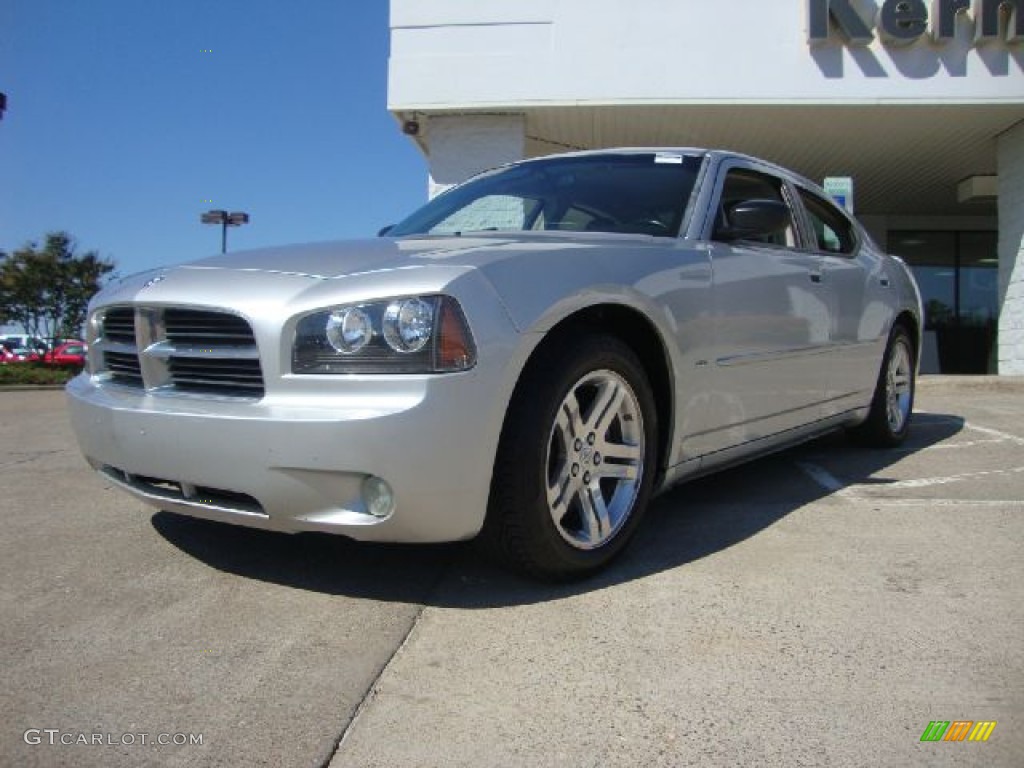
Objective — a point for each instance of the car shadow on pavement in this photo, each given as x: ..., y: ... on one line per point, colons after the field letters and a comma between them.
x: 313, y: 561
x: 693, y: 521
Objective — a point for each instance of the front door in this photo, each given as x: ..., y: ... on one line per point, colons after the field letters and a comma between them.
x: 771, y: 325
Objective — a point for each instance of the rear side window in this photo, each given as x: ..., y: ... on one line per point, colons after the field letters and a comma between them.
x: 833, y: 232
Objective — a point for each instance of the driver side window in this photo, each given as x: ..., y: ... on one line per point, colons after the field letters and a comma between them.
x: 741, y: 185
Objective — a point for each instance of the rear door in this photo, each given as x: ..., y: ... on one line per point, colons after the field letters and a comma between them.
x: 852, y: 281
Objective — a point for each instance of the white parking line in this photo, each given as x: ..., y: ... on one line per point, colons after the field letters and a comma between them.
x: 970, y: 425
x: 837, y: 487
x: 834, y: 485
x: 995, y: 433
x: 946, y: 446
x: 965, y: 444
x: 926, y: 502
x: 924, y: 482
x: 822, y: 477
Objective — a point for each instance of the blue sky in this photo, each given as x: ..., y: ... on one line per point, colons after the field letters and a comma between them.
x: 126, y: 119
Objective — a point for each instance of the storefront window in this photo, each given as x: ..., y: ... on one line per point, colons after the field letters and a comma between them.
x: 958, y: 274
x: 979, y: 279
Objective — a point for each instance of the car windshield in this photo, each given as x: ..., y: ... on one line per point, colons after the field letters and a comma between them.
x: 636, y: 193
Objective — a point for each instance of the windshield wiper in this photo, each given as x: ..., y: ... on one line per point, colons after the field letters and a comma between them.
x: 458, y: 233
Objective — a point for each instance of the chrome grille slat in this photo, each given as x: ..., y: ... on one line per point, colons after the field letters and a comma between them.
x: 216, y: 375
x: 244, y: 368
x: 124, y: 368
x: 186, y: 326
x: 166, y: 349
x: 119, y: 325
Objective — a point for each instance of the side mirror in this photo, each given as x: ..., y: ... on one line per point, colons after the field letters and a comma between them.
x: 751, y: 219
x: 384, y: 230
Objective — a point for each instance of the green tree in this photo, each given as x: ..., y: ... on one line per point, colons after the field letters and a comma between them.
x: 47, y: 290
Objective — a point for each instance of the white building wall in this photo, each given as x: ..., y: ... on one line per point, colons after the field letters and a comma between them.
x: 1011, y: 250
x: 460, y: 146
x: 460, y: 53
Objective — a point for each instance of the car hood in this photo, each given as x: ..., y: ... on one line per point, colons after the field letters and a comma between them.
x: 345, y: 258
x: 298, y: 277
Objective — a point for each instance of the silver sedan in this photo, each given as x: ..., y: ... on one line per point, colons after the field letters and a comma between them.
x: 527, y: 358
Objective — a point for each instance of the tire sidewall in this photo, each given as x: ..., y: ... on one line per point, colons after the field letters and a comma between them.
x: 557, y: 372
x: 876, y: 430
x: 900, y: 336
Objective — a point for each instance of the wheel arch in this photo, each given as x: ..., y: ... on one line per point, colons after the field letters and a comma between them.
x: 637, y: 331
x: 910, y: 323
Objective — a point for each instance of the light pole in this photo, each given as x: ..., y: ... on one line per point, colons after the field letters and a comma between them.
x: 225, y: 219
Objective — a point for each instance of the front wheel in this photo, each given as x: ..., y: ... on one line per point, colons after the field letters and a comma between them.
x: 888, y: 422
x: 577, y: 460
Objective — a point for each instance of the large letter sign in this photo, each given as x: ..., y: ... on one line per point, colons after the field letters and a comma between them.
x: 901, y: 22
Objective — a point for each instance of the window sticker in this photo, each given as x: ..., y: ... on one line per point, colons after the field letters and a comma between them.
x: 669, y: 158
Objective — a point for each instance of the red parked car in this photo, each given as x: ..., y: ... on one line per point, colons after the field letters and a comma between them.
x: 11, y: 352
x: 70, y: 354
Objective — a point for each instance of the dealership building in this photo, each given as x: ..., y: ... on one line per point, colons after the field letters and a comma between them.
x: 919, y: 105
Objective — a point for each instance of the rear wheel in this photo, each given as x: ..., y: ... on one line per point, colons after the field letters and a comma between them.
x: 577, y: 459
x: 888, y: 422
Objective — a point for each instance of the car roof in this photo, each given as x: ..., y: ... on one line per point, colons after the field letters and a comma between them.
x: 716, y: 155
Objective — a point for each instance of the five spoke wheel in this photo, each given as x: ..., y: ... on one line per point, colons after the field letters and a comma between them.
x: 595, y: 458
x: 898, y: 384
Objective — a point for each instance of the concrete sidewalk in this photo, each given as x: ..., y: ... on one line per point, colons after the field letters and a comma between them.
x: 819, y: 607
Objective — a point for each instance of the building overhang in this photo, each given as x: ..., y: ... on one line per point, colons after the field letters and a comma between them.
x: 906, y: 159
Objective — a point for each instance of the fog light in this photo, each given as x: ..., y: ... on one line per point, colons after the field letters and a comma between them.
x: 380, y: 501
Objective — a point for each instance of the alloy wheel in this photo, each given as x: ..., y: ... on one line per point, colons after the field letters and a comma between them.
x: 595, y: 459
x: 898, y: 386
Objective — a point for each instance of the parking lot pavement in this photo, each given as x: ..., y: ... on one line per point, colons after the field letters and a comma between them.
x: 818, y: 607
x: 124, y: 626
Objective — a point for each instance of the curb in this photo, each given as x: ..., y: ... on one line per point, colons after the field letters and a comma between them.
x: 938, y: 384
x: 30, y: 387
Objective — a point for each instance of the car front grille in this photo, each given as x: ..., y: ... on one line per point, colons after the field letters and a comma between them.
x: 173, y: 349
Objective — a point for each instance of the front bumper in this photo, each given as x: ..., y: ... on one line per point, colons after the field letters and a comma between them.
x: 291, y: 462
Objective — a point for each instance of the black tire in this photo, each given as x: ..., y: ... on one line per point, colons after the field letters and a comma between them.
x: 892, y: 406
x: 551, y: 480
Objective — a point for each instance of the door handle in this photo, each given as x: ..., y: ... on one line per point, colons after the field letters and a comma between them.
x: 815, y: 277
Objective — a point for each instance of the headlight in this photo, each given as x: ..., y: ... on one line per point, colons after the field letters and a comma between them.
x: 414, y: 334
x: 349, y: 330
x: 408, y: 324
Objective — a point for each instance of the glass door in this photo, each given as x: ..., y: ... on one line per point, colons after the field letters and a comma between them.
x: 958, y: 273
